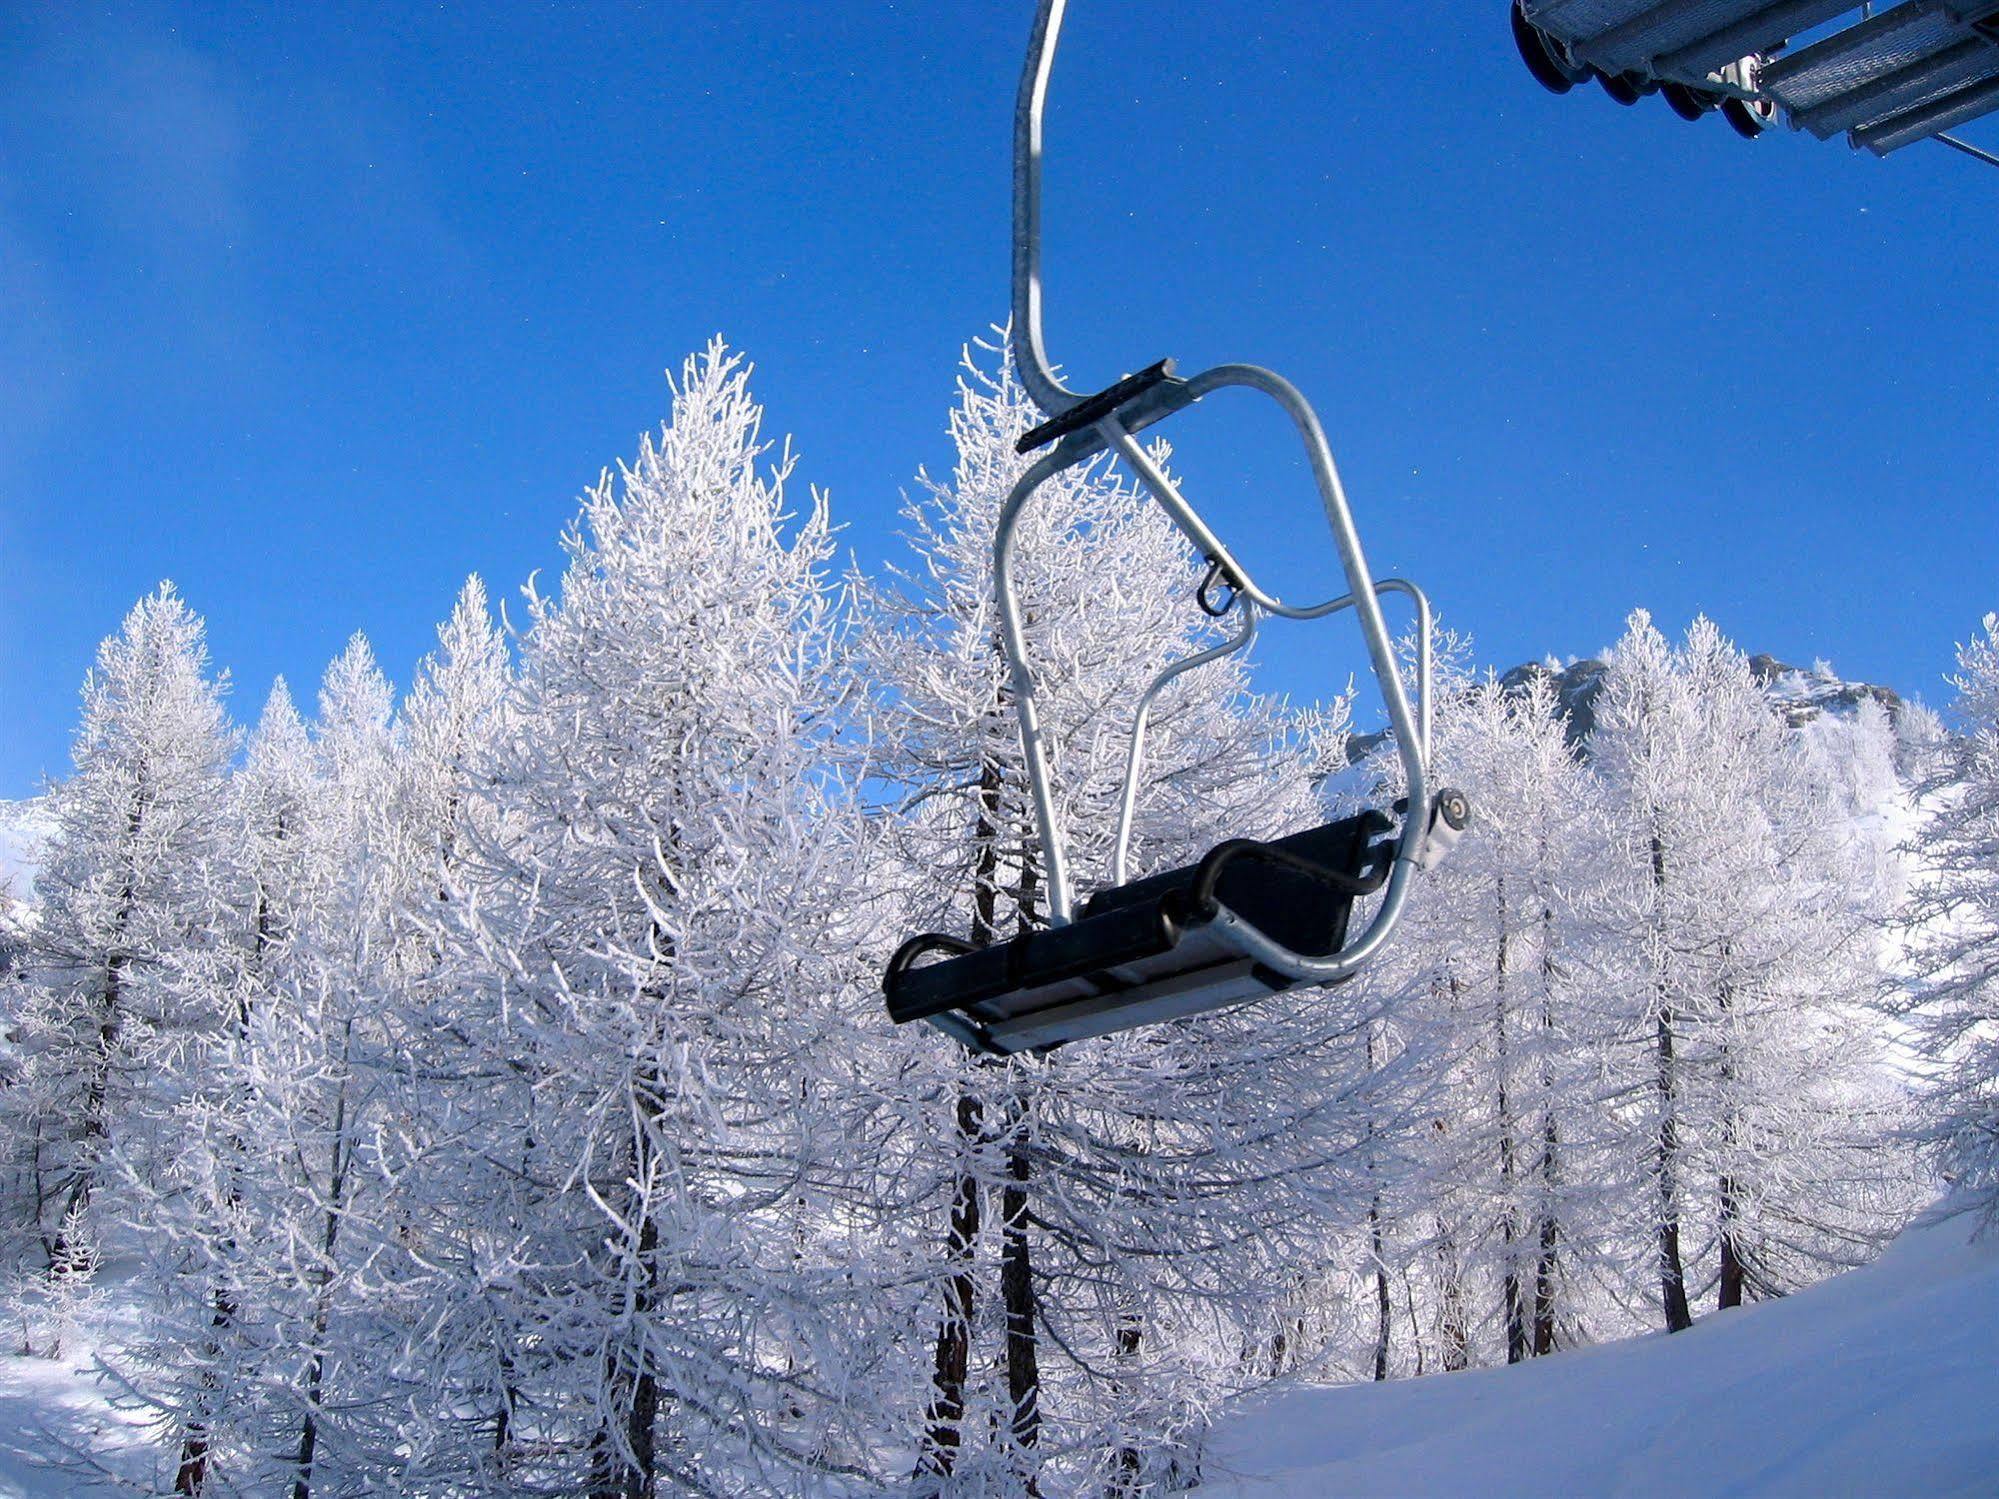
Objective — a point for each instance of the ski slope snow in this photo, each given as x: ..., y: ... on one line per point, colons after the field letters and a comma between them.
x: 1883, y: 1381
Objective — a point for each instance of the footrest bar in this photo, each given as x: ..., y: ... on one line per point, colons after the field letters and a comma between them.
x: 1093, y: 409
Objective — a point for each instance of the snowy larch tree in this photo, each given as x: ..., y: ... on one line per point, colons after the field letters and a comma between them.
x: 1954, y: 911
x: 200, y: 1355
x: 127, y: 907
x: 1727, y: 921
x: 1484, y: 965
x: 666, y: 898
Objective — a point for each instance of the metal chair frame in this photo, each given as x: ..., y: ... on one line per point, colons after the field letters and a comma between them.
x: 1083, y: 426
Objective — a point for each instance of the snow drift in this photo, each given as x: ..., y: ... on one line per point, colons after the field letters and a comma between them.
x: 1880, y: 1381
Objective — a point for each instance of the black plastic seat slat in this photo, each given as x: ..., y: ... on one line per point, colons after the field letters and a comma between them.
x: 1138, y: 953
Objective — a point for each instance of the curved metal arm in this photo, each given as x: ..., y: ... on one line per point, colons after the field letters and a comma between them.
x: 1135, y: 752
x: 1410, y: 743
x: 1055, y: 861
x: 1412, y: 734
x: 1030, y: 354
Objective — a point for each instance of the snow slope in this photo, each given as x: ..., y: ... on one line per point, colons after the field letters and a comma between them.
x: 1882, y: 1381
x: 59, y: 1431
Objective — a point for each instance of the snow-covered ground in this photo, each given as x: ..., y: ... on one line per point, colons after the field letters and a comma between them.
x: 1881, y: 1382
x: 1884, y: 1382
x: 59, y: 1434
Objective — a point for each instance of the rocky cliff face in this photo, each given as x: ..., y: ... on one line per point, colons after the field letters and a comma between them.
x: 1801, y: 693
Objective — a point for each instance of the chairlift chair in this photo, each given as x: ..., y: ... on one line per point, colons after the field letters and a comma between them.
x: 1251, y: 918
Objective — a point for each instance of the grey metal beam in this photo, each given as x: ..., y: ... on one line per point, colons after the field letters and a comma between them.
x: 1976, y: 153
x: 1768, y: 28
x: 1963, y: 62
x: 1927, y: 120
x: 1917, y: 25
x: 1667, y: 27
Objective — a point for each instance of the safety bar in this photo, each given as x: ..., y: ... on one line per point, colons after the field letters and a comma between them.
x: 1134, y: 754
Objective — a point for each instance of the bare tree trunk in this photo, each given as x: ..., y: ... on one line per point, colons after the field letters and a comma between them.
x: 322, y: 1303
x: 642, y: 1425
x: 1734, y: 1272
x: 1453, y: 1325
x: 625, y: 1466
x: 1019, y: 1295
x: 1548, y: 1228
x: 95, y: 1133
x: 1672, y: 1270
x: 1415, y: 1326
x: 1384, y: 1307
x: 1734, y: 1261
x: 1126, y: 1479
x: 192, y: 1472
x: 1514, y: 1309
x: 943, y: 1420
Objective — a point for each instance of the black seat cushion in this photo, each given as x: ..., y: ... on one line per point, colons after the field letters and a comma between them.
x: 1135, y: 937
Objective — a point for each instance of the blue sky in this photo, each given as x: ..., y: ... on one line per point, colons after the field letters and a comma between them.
x: 317, y: 309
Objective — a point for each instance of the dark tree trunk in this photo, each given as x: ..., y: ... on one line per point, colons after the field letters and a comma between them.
x: 94, y: 1135
x: 192, y: 1472
x: 1018, y: 1294
x: 1548, y: 1229
x: 1415, y: 1325
x: 322, y: 1303
x: 627, y: 1468
x: 943, y: 1420
x: 1672, y: 1269
x: 1453, y: 1330
x: 1546, y: 1268
x: 1513, y: 1299
x: 1023, y: 1374
x: 1734, y: 1272
x: 1127, y: 1477
x: 1734, y: 1261
x: 1384, y: 1307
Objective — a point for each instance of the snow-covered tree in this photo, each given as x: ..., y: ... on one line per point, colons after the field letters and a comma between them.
x: 205, y: 1344
x: 1955, y: 913
x: 1485, y: 963
x: 666, y: 913
x: 315, y: 1099
x: 127, y: 910
x: 1728, y: 930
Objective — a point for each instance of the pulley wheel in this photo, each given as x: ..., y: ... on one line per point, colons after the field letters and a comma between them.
x: 1539, y: 55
